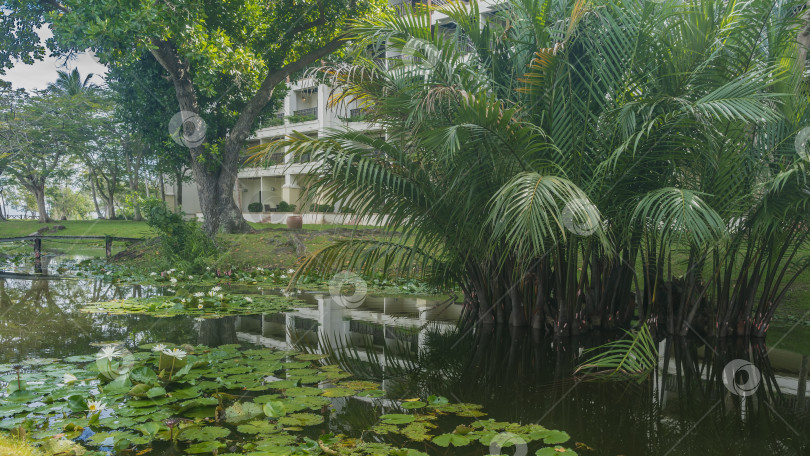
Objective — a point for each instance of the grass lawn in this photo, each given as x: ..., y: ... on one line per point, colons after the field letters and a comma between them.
x: 121, y: 228
x: 272, y: 246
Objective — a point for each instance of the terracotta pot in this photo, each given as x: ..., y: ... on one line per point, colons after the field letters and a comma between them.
x: 295, y: 222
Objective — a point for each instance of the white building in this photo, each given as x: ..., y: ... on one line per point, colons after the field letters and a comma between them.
x: 306, y: 110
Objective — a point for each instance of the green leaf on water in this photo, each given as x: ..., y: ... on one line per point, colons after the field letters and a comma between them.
x: 204, y: 434
x: 397, y: 418
x: 446, y: 440
x: 412, y: 405
x: 274, y: 409
x: 555, y: 451
x: 242, y: 411
x: 301, y: 419
x: 204, y: 447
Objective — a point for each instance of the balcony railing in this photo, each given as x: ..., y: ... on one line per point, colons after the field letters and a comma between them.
x: 303, y: 115
x: 306, y: 112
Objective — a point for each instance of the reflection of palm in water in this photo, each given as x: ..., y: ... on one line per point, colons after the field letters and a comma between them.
x: 520, y: 375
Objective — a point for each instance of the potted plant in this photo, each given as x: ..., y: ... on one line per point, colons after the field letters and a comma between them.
x: 295, y: 221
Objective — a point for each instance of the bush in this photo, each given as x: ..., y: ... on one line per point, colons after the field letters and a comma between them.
x: 255, y: 207
x: 184, y: 243
x: 285, y: 207
x: 322, y: 208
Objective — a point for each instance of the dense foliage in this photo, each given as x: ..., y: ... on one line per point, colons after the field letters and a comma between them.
x: 580, y: 165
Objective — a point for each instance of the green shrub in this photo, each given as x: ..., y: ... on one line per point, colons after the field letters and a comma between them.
x: 255, y: 207
x: 322, y: 208
x: 304, y: 118
x: 273, y: 122
x: 184, y: 243
x: 285, y: 207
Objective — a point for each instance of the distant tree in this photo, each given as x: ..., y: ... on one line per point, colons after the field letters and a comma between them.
x: 69, y: 203
x: 228, y: 63
x: 42, y: 134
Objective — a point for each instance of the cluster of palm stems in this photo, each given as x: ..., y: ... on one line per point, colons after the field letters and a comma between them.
x: 574, y: 164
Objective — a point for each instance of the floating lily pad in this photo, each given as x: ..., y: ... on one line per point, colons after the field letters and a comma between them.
x: 301, y: 419
x: 397, y: 418
x: 204, y: 434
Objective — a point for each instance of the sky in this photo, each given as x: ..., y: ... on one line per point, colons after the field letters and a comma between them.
x: 38, y: 75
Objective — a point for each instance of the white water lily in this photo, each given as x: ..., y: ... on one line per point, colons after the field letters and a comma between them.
x: 290, y: 271
x: 190, y: 277
x: 95, y: 406
x: 200, y: 306
x: 109, y: 352
x: 217, y: 288
x: 173, y: 280
x: 220, y: 296
x: 69, y: 378
x: 175, y: 353
x: 199, y: 294
x: 248, y: 299
x: 153, y: 273
x: 158, y: 347
x: 212, y: 293
x: 171, y: 271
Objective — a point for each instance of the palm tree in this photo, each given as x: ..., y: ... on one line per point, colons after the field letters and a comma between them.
x: 579, y: 165
x: 71, y: 83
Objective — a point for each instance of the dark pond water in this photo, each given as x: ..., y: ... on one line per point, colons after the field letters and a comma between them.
x: 414, y: 349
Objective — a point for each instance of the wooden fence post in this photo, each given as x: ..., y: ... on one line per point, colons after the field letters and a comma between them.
x: 108, y: 245
x: 37, y: 256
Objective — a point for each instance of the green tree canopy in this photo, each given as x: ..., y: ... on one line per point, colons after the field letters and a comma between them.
x: 228, y: 62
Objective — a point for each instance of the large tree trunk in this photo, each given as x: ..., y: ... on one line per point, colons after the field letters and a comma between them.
x: 178, y: 194
x: 110, y: 205
x: 39, y: 193
x: 95, y: 198
x: 133, y: 171
x: 220, y: 212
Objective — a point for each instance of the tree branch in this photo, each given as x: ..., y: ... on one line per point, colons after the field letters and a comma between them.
x: 241, y: 129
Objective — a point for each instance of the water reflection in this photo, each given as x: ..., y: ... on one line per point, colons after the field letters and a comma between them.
x: 413, y: 347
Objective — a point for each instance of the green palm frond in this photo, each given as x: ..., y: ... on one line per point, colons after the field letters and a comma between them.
x: 634, y: 356
x: 673, y: 212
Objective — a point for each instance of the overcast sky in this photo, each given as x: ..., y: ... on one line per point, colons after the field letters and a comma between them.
x: 38, y: 75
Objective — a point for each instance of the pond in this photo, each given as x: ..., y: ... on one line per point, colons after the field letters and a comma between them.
x: 406, y: 356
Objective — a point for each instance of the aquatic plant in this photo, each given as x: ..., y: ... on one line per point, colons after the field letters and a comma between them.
x: 233, y: 401
x: 645, y: 161
x: 633, y: 356
x: 214, y: 302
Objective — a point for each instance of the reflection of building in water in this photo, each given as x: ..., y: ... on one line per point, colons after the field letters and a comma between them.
x: 783, y: 382
x: 391, y: 324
